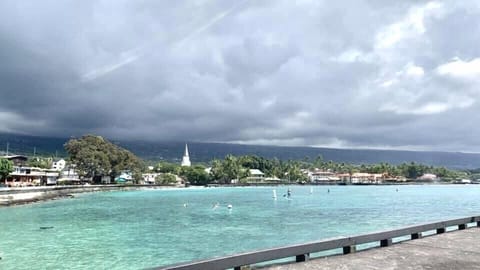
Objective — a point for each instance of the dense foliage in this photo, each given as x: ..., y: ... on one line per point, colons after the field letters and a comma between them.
x: 40, y: 162
x: 6, y: 167
x: 165, y: 179
x: 95, y: 156
x: 237, y: 168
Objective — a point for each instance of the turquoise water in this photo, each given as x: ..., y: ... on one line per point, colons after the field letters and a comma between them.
x: 138, y: 229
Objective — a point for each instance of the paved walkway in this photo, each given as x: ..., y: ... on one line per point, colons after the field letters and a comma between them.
x: 452, y: 250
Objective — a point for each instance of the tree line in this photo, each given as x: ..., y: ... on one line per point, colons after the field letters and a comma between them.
x: 237, y: 167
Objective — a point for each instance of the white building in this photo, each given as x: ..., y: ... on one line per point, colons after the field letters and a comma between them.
x: 58, y: 165
x: 26, y: 176
x: 69, y: 175
x: 320, y: 176
x: 186, y: 159
x: 124, y: 177
x: 367, y: 178
x: 149, y: 178
x: 106, y: 179
x: 255, y: 175
x: 428, y: 177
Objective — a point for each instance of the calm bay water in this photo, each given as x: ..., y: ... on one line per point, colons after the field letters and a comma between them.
x: 138, y: 229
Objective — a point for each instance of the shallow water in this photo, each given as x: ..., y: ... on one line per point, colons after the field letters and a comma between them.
x: 138, y: 229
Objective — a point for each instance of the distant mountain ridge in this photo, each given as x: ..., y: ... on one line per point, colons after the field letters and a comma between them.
x: 205, y: 152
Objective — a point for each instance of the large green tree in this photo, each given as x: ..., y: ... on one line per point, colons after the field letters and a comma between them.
x: 293, y: 172
x: 167, y: 167
x: 218, y: 172
x: 165, y: 179
x: 196, y: 175
x: 231, y: 167
x: 95, y: 156
x: 6, y: 167
x: 39, y: 162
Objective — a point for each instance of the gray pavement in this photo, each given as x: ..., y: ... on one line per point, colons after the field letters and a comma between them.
x: 452, y: 250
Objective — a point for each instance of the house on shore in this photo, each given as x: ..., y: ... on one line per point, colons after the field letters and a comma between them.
x: 322, y: 177
x: 18, y: 160
x: 124, y: 178
x: 367, y: 178
x: 24, y: 175
x: 255, y: 175
x: 59, y: 164
x: 32, y: 176
x: 69, y: 176
x: 428, y: 177
x: 149, y: 178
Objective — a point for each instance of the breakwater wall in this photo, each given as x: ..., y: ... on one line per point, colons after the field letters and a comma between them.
x: 15, y: 196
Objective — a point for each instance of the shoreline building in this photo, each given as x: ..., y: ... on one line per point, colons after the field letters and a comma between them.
x: 186, y: 159
x: 24, y: 175
x: 59, y: 164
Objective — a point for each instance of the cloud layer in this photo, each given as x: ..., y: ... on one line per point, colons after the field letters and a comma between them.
x: 376, y: 74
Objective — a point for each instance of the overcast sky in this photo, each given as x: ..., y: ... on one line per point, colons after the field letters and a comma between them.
x: 362, y: 74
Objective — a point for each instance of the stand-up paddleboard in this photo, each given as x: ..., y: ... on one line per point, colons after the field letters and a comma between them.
x: 288, y: 195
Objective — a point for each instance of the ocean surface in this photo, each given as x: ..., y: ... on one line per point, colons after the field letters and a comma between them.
x: 140, y: 229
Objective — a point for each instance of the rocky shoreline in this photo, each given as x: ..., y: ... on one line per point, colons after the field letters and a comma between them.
x: 17, y: 196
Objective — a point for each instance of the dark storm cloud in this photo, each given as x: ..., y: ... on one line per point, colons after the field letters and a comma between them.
x: 384, y: 74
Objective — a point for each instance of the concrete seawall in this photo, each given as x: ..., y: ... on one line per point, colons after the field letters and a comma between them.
x: 15, y: 196
x: 453, y: 250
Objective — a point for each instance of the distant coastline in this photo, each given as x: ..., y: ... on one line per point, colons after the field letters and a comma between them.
x: 204, y: 152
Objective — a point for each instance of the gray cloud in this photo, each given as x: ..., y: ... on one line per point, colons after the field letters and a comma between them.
x: 366, y: 73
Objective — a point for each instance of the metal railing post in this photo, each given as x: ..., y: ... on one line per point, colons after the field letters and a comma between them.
x: 302, y: 257
x: 349, y: 249
x: 414, y: 236
x: 386, y: 242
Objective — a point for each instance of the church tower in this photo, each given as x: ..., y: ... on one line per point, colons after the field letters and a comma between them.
x: 186, y: 158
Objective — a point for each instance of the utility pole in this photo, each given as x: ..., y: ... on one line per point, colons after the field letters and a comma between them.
x: 34, y: 151
x: 8, y: 144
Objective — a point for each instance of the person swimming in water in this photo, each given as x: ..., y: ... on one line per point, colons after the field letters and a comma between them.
x: 289, y: 193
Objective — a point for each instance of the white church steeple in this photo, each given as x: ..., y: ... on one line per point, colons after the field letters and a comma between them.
x: 186, y: 159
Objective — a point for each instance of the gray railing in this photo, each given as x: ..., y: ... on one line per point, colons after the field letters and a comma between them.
x: 302, y: 252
